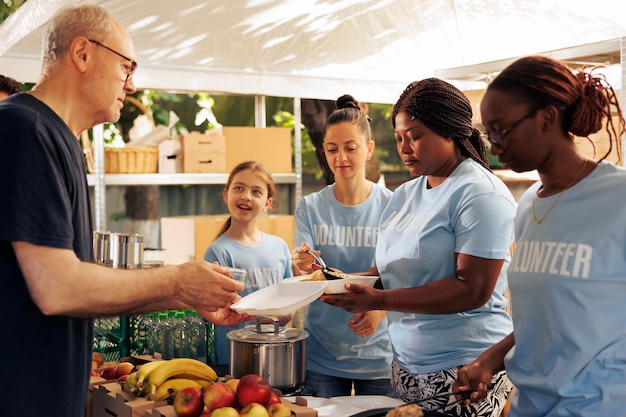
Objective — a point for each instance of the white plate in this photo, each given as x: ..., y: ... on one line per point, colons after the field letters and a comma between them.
x: 327, y: 407
x: 335, y: 286
x: 369, y: 402
x: 336, y: 410
x: 349, y: 405
x: 280, y: 299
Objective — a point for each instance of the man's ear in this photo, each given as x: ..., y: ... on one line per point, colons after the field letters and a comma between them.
x: 80, y: 53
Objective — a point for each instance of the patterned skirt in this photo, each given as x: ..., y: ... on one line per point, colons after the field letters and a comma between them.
x: 417, y: 388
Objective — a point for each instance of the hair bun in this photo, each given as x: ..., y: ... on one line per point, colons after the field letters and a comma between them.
x: 347, y: 101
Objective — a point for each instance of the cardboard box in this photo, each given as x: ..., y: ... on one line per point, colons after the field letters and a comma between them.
x: 164, y: 411
x: 204, y: 152
x: 171, y: 156
x: 298, y: 409
x: 94, y: 381
x: 186, y: 238
x: 270, y: 145
x: 110, y: 400
x: 204, y: 163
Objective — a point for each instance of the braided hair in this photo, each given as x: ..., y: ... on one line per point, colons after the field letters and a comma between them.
x: 583, y: 97
x: 445, y: 110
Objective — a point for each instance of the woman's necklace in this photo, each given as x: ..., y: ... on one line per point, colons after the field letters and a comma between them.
x: 558, y: 197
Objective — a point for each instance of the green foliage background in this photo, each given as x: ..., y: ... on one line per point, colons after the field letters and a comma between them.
x: 7, y: 7
x: 240, y: 111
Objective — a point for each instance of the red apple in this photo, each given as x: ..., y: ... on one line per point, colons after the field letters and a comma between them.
x: 274, y: 399
x: 123, y: 368
x: 252, y: 388
x: 278, y: 410
x: 122, y: 378
x: 254, y: 410
x: 109, y: 372
x: 95, y: 373
x: 188, y: 402
x: 218, y: 395
x: 225, y: 412
x: 232, y: 383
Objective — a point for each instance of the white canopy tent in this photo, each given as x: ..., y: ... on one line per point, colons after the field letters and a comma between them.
x: 320, y: 48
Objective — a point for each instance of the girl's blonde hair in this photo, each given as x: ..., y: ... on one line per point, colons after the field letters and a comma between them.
x: 257, y: 168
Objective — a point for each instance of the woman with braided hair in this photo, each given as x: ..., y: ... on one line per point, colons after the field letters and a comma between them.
x: 568, y: 276
x: 443, y: 247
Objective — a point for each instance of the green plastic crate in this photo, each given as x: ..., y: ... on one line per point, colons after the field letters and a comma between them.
x: 119, y: 337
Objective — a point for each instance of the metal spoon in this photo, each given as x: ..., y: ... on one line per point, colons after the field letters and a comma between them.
x: 326, y: 270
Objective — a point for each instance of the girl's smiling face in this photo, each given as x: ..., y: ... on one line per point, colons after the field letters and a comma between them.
x: 247, y: 195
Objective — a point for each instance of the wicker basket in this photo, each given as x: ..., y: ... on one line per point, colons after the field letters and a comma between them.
x: 131, y: 159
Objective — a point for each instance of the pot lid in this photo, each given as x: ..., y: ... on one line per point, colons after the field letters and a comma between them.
x: 267, y: 333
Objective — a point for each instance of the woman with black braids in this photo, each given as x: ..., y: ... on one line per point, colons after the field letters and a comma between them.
x: 443, y: 247
x: 568, y: 275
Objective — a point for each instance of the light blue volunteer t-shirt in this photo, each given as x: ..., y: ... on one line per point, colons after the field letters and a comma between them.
x: 422, y: 228
x: 346, y: 236
x: 568, y: 290
x: 265, y: 264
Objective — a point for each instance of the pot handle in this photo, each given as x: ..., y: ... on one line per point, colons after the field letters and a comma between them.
x: 274, y: 320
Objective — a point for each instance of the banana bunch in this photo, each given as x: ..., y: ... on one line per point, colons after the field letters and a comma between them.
x: 159, y: 379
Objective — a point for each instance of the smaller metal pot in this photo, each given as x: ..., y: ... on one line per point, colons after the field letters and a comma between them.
x: 273, y: 352
x: 118, y: 250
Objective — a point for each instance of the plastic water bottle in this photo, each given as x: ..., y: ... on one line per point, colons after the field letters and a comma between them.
x: 162, y: 337
x: 144, y: 334
x: 180, y: 335
x: 197, y: 336
x: 152, y: 345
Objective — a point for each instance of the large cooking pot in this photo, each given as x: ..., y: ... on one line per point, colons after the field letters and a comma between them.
x: 276, y: 353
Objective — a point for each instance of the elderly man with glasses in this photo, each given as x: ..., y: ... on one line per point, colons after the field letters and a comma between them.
x: 51, y: 289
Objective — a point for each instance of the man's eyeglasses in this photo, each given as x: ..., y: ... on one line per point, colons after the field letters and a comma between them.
x: 133, y: 63
x: 498, y: 138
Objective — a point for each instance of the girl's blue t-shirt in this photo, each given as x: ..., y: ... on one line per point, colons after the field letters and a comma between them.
x: 266, y: 264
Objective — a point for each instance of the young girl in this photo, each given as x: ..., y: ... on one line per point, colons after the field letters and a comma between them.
x: 248, y: 193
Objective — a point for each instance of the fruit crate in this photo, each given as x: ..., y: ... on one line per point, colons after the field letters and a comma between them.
x: 109, y: 400
x: 120, y: 337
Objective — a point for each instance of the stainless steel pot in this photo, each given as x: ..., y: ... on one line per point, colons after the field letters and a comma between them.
x: 118, y: 250
x: 276, y: 353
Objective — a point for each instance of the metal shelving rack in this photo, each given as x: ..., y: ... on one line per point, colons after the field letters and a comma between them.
x: 99, y: 180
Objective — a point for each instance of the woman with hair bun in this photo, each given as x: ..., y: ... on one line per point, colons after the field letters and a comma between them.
x: 443, y: 247
x: 567, y: 356
x: 344, y: 351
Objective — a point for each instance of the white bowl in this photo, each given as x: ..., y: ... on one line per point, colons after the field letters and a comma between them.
x: 335, y: 286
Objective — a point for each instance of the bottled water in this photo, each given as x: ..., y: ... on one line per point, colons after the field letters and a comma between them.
x: 180, y: 335
x: 144, y: 333
x: 162, y: 337
x: 152, y: 344
x: 197, y: 336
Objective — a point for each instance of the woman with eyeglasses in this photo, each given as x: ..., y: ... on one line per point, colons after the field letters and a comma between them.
x: 567, y: 356
x: 442, y: 251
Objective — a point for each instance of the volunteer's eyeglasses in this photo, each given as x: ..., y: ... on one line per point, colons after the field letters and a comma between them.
x: 498, y: 138
x: 133, y: 63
